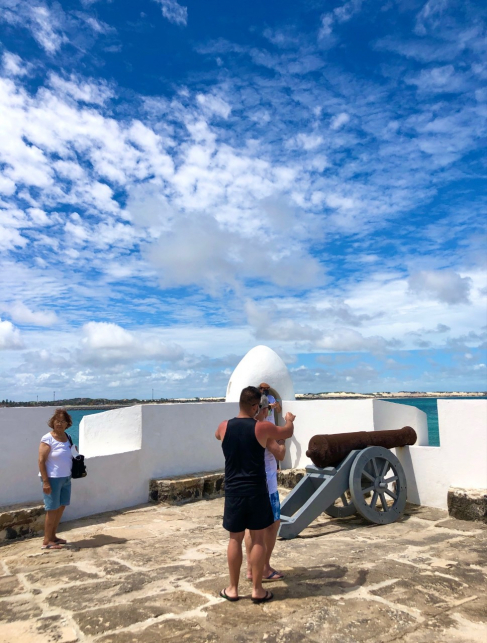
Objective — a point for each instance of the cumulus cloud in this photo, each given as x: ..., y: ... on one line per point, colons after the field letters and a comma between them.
x: 445, y: 286
x: 10, y: 338
x: 21, y: 314
x: 198, y: 250
x: 105, y: 342
x: 174, y: 12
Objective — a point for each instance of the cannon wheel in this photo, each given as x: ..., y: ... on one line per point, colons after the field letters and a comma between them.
x: 343, y: 507
x: 378, y: 485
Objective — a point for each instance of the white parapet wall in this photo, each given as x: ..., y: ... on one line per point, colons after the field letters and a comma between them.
x: 342, y: 416
x: 459, y: 461
x: 21, y: 430
x: 127, y: 447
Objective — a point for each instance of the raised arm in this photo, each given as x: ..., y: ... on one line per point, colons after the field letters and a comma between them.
x: 277, y: 448
x: 266, y: 430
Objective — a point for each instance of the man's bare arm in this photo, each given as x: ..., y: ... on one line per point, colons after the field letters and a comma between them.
x: 277, y: 450
x: 270, y: 430
x: 219, y: 432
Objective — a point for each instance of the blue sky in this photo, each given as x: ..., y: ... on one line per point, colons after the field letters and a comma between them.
x: 180, y: 182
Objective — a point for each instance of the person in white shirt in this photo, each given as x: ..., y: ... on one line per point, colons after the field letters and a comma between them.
x: 274, y: 406
x: 55, y: 461
x: 275, y: 450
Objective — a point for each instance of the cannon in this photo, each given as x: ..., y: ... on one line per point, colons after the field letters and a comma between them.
x: 366, y: 478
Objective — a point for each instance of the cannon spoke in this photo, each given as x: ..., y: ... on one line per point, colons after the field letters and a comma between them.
x: 376, y: 469
x: 345, y: 500
x: 374, y: 500
x: 390, y: 493
x: 368, y: 489
x: 367, y: 475
x: 389, y: 480
x: 385, y: 468
x: 384, y: 502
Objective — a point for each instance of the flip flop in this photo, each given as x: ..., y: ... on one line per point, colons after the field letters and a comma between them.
x: 60, y: 541
x: 232, y: 599
x: 265, y: 599
x: 54, y: 546
x: 274, y: 575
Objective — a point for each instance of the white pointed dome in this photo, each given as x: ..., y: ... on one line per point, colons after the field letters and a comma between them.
x: 261, y: 364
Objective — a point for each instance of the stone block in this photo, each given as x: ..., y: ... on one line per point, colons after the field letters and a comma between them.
x: 468, y: 504
x: 19, y: 520
x: 187, y: 488
x: 289, y: 478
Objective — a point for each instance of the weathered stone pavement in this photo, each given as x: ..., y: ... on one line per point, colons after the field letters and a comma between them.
x: 153, y: 574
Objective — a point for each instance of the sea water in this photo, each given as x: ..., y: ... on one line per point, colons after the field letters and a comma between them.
x: 426, y: 404
x: 76, y: 417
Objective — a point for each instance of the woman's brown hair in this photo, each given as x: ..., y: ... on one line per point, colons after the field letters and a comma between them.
x: 66, y: 417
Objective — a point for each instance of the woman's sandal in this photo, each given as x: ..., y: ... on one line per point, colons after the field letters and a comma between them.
x: 265, y: 599
x: 274, y: 575
x: 52, y: 546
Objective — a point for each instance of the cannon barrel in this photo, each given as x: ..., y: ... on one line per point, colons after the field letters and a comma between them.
x: 328, y: 450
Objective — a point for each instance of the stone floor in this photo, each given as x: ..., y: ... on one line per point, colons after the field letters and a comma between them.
x: 153, y: 574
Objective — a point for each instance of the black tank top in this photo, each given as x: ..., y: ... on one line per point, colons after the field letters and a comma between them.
x: 244, y: 459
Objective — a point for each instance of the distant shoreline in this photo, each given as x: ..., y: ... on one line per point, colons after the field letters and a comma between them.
x: 385, y: 396
x: 403, y: 395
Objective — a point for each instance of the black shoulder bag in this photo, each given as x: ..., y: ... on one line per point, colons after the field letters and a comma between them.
x: 78, y: 468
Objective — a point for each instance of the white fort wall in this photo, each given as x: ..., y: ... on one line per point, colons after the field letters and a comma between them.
x: 21, y: 430
x: 342, y: 416
x: 460, y: 461
x: 127, y: 447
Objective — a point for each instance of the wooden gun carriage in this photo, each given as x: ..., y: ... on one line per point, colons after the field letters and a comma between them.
x: 351, y: 473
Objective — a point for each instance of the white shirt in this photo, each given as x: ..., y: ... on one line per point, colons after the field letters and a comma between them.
x: 271, y: 417
x: 59, y: 460
x: 270, y: 471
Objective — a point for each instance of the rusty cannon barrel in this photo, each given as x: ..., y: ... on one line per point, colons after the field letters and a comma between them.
x: 328, y: 450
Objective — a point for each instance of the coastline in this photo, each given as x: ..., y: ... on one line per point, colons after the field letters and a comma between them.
x: 386, y: 395
x: 340, y: 395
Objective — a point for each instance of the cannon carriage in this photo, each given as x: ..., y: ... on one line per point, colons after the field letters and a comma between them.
x: 351, y: 473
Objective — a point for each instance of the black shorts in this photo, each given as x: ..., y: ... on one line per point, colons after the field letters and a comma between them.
x: 247, y: 512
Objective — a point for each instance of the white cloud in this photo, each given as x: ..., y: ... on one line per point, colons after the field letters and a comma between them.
x: 21, y: 314
x: 430, y: 15
x: 445, y: 286
x: 45, y: 23
x: 444, y: 79
x: 105, y: 342
x: 198, y: 250
x: 95, y: 92
x: 13, y: 65
x: 10, y: 338
x: 340, y: 14
x: 174, y: 12
x: 339, y: 120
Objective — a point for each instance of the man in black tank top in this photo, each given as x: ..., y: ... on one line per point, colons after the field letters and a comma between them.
x: 247, y: 504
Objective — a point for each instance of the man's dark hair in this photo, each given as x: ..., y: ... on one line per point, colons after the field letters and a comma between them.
x: 249, y: 396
